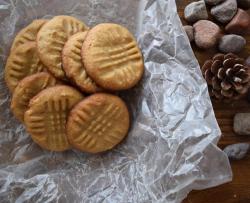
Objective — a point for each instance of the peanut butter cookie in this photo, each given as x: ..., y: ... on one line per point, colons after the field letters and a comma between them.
x: 98, y: 123
x: 111, y: 57
x: 46, y: 116
x: 22, y: 61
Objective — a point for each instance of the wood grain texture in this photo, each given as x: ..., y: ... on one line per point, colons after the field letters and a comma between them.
x: 237, y: 191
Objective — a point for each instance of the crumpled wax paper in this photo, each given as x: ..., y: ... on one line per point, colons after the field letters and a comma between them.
x: 171, y: 147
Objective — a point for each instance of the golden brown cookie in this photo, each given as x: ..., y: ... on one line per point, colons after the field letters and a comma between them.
x: 29, y: 33
x: 47, y: 114
x: 26, y: 89
x: 51, y: 39
x: 111, y: 57
x: 98, y: 123
x: 73, y: 66
x: 22, y: 61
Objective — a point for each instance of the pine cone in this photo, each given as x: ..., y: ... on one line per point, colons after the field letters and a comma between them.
x: 227, y: 76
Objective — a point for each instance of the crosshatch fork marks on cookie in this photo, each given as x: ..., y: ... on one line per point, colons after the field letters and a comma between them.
x: 23, y: 61
x: 57, y: 115
x: 52, y: 121
x: 99, y: 125
x: 112, y: 57
x: 47, y: 116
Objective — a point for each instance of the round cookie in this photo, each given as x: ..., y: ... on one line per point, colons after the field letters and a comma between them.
x: 22, y: 61
x: 46, y: 117
x: 98, y: 123
x: 26, y: 89
x: 111, y: 57
x: 73, y: 66
x: 29, y: 33
x: 51, y: 39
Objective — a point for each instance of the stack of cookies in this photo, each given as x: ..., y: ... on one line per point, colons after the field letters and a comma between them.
x: 59, y: 72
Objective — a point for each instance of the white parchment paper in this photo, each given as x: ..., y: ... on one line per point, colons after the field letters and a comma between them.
x: 171, y: 148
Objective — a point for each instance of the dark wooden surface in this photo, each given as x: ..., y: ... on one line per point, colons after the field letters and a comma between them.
x: 237, y: 191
